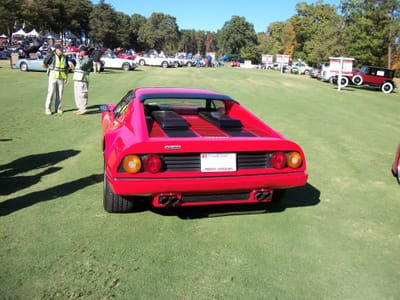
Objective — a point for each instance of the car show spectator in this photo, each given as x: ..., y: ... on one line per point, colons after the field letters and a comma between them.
x: 96, y: 60
x: 81, y: 82
x: 57, y: 72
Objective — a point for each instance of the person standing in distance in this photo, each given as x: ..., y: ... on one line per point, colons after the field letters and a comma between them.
x: 96, y: 60
x: 81, y: 80
x: 57, y: 72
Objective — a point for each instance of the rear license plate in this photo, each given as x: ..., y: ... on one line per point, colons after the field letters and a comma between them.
x: 218, y: 162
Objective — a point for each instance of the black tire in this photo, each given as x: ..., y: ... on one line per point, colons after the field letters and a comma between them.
x: 387, y: 87
x: 142, y: 62
x: 23, y: 67
x: 344, y: 81
x: 357, y: 80
x: 126, y: 66
x: 113, y: 203
x: 398, y: 172
x: 164, y: 64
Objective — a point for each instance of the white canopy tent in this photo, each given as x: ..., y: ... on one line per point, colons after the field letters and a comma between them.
x: 33, y: 33
x: 19, y: 33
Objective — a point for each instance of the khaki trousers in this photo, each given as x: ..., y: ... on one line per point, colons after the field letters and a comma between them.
x: 81, y: 95
x: 55, y: 86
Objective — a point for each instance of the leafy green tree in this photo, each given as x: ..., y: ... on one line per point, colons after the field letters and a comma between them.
x: 274, y: 42
x: 40, y: 15
x: 57, y: 16
x: 187, y: 41
x: 200, y: 37
x: 392, y: 8
x: 318, y: 32
x: 236, y: 35
x: 136, y: 22
x: 77, y: 13
x: 160, y: 32
x: 371, y: 28
x: 123, y: 31
x: 280, y: 38
x: 9, y: 13
x: 103, y: 25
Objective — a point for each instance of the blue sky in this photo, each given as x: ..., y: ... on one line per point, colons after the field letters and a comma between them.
x: 211, y: 15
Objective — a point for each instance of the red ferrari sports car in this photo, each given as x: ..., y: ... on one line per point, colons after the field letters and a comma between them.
x: 186, y: 147
x: 396, y: 165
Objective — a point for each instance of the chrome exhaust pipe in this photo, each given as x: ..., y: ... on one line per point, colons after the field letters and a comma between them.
x: 262, y: 195
x: 168, y: 199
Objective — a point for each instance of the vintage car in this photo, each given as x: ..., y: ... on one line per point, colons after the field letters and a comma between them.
x: 188, y: 147
x: 157, y: 61
x: 375, y: 77
x: 30, y: 64
x: 111, y: 61
x: 301, y: 68
x: 396, y: 164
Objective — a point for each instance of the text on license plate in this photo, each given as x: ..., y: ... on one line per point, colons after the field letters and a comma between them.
x: 218, y: 162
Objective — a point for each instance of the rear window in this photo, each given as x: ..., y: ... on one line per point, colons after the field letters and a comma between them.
x: 184, y: 106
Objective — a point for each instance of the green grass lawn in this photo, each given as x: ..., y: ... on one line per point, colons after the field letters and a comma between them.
x: 336, y: 238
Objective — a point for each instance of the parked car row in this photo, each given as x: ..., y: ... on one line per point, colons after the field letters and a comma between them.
x: 35, y: 64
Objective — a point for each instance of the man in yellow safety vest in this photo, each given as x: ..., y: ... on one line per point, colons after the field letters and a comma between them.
x: 57, y: 72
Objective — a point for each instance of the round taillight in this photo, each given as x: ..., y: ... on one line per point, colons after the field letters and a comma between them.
x: 132, y: 164
x: 152, y: 163
x: 278, y: 160
x: 294, y: 160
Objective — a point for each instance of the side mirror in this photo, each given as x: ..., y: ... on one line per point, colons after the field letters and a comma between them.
x: 104, y: 108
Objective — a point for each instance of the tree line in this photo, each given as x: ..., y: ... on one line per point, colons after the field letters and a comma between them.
x: 368, y: 30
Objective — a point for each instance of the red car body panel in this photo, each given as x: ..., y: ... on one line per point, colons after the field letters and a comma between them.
x: 396, y: 164
x: 136, y: 132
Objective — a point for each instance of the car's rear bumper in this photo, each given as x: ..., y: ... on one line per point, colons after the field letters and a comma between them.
x: 208, y: 190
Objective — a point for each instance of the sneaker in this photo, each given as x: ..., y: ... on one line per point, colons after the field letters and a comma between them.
x: 47, y: 112
x: 59, y: 111
x: 79, y: 113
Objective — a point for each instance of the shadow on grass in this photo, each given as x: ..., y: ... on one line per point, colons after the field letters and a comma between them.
x: 12, y: 205
x: 303, y: 196
x: 91, y: 110
x: 10, y: 183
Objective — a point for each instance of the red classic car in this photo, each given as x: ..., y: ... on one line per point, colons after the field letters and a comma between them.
x: 375, y: 77
x: 187, y: 147
x: 396, y: 165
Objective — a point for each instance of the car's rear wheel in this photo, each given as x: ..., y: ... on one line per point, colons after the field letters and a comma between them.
x: 387, y: 87
x: 357, y: 80
x: 126, y: 67
x: 344, y: 81
x: 114, y: 203
x: 164, y: 64
x: 142, y: 62
x: 398, y: 171
x: 23, y: 67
